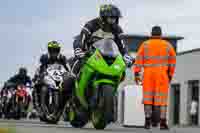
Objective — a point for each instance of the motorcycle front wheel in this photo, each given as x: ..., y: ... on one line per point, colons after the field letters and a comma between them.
x: 103, y: 114
x: 78, y: 117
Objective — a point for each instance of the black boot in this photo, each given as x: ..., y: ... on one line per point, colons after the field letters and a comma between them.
x: 147, y: 123
x: 154, y: 124
x: 155, y: 116
x: 163, y: 124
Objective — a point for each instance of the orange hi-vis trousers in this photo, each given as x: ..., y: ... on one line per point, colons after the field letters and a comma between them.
x: 155, y: 87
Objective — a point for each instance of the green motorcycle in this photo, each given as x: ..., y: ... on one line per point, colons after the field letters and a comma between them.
x: 95, y: 90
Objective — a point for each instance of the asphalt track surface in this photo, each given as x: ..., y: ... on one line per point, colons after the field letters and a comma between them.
x: 35, y: 126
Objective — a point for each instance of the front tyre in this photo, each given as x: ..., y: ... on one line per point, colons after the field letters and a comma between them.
x: 103, y: 114
x: 77, y: 117
x: 79, y: 120
x: 18, y: 111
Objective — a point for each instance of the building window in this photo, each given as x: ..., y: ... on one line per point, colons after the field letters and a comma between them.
x: 175, y: 103
x: 193, y: 96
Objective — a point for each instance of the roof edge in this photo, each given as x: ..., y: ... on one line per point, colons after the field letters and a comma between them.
x: 146, y: 36
x: 188, y: 51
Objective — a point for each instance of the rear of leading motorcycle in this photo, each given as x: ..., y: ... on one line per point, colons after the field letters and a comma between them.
x: 20, y: 102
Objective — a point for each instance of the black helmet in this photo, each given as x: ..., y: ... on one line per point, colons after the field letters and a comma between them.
x: 22, y: 71
x: 156, y: 31
x: 109, y: 10
x: 54, y: 49
x: 110, y: 14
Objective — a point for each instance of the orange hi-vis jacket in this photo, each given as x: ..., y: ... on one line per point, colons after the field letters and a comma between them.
x: 158, y: 59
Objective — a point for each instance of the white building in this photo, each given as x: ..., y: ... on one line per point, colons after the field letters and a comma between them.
x: 184, y: 87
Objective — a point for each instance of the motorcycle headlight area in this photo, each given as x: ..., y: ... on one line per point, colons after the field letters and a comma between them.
x: 109, y: 59
x: 50, y: 82
x: 56, y: 74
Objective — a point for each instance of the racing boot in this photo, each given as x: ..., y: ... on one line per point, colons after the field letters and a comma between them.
x: 147, y: 124
x: 154, y: 124
x: 154, y: 120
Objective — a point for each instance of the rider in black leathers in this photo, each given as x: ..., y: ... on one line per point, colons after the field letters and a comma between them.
x: 53, y: 56
x: 105, y: 26
x: 20, y: 78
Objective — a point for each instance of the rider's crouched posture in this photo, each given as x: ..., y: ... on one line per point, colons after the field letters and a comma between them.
x: 52, y: 57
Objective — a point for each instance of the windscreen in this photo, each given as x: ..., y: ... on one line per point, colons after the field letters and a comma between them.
x: 107, y: 47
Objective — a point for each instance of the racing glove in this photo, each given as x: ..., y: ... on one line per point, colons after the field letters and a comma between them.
x: 128, y: 60
x: 79, y: 53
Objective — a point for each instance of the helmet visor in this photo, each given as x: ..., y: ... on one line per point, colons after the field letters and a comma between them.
x: 22, y: 72
x: 53, y: 52
x: 111, y: 20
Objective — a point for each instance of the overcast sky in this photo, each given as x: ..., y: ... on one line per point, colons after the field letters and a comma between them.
x: 27, y: 25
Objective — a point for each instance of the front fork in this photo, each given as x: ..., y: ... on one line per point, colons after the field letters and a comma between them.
x: 16, y: 99
x: 93, y: 101
x: 23, y: 100
x: 43, y: 96
x: 53, y: 99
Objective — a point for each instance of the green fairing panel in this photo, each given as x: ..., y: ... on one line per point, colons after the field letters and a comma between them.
x: 97, y: 62
x: 86, y: 73
x: 106, y: 81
